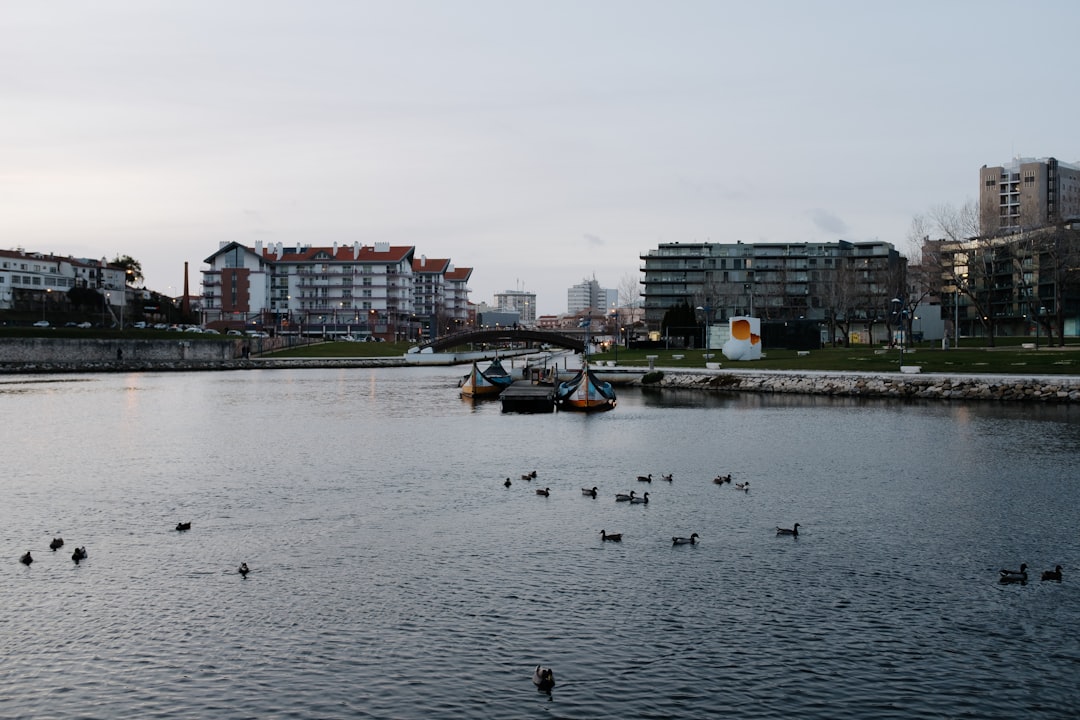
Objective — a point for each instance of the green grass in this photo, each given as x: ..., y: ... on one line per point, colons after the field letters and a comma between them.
x: 343, y: 350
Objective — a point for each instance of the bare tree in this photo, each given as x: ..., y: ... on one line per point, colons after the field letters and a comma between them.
x: 1058, y: 254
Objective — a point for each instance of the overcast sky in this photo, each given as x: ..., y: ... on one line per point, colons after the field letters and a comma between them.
x: 540, y: 143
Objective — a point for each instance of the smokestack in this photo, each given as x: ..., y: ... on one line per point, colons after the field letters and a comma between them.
x: 185, y: 303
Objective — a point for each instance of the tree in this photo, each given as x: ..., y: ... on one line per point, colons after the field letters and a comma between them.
x: 132, y: 268
x: 680, y: 320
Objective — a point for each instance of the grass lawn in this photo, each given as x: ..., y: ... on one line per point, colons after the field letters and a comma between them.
x: 1003, y: 360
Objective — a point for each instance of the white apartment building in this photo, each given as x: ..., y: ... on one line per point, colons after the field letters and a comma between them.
x: 29, y: 279
x: 520, y: 301
x: 588, y: 295
x: 378, y: 289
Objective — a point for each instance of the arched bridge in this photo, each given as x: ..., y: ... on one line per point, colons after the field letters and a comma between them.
x: 501, y: 334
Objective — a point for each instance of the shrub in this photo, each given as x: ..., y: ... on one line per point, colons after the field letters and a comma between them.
x: 651, y: 378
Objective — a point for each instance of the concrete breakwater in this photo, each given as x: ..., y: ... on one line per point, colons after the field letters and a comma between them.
x: 1004, y: 388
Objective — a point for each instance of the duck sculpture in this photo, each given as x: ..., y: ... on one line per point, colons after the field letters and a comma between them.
x: 613, y: 537
x: 643, y: 500
x: 1015, y: 576
x: 692, y: 540
x: 543, y: 678
x: 794, y: 530
x: 56, y: 543
x: 1054, y: 574
x: 590, y: 492
x: 623, y: 497
x: 243, y: 570
x: 26, y: 559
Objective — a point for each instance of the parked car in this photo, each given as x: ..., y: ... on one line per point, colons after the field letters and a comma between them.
x: 41, y: 323
x: 233, y: 332
x: 139, y: 325
x: 84, y: 325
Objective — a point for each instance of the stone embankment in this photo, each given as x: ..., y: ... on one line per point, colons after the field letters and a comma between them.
x: 1006, y: 388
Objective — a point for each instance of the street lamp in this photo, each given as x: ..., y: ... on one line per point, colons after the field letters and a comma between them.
x: 749, y: 288
x: 45, y: 301
x: 108, y: 302
x: 899, y: 313
x: 707, y: 309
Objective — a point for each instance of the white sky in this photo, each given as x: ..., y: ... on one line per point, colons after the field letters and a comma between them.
x: 540, y: 143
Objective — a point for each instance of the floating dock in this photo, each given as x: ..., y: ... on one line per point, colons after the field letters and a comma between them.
x: 524, y: 396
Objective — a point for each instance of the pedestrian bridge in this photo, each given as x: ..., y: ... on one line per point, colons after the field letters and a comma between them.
x: 505, y: 335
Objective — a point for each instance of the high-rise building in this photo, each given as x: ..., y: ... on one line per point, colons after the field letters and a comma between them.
x: 779, y: 281
x: 520, y: 301
x: 588, y: 295
x: 1027, y: 194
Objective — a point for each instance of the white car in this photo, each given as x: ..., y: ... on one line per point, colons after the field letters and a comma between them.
x: 41, y: 323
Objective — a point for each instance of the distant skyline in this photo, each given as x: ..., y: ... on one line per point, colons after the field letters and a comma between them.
x: 538, y: 143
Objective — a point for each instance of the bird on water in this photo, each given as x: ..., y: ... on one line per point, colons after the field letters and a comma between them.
x: 543, y: 678
x: 613, y: 537
x: 1014, y: 576
x: 692, y: 540
x: 788, y: 531
x: 1054, y: 574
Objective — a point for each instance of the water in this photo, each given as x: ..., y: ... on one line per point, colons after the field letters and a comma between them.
x: 393, y: 576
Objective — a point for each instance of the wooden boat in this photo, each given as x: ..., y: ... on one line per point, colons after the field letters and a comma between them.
x: 486, y: 383
x: 584, y: 393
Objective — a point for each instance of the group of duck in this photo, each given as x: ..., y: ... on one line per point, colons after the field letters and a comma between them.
x: 1021, y: 576
x: 243, y: 569
x: 81, y: 554
x: 634, y: 499
x: 57, y: 542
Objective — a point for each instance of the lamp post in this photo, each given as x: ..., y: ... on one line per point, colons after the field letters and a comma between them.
x: 45, y: 301
x: 749, y: 288
x: 707, y: 309
x: 899, y: 313
x: 108, y: 301
x: 1038, y: 318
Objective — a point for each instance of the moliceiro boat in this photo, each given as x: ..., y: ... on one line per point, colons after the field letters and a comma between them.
x: 584, y: 393
x: 486, y: 383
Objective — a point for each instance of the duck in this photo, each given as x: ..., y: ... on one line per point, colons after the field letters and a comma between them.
x: 745, y: 487
x: 692, y: 540
x: 79, y: 554
x: 645, y: 478
x: 243, y: 569
x: 1054, y: 574
x: 643, y: 500
x: 543, y: 678
x: 1011, y: 576
x: 721, y: 479
x: 507, y: 483
x: 591, y: 492
x: 545, y: 492
x: 667, y: 477
x: 183, y: 526
x: 56, y: 543
x: 26, y: 559
x: 529, y: 475
x: 794, y: 530
x: 623, y: 497
x: 613, y: 537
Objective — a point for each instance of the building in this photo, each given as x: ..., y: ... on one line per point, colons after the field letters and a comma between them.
x: 1028, y: 193
x: 378, y: 289
x: 34, y: 281
x: 519, y: 301
x: 588, y: 295
x: 775, y: 281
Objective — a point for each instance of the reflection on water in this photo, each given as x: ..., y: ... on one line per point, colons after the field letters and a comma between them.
x: 393, y: 574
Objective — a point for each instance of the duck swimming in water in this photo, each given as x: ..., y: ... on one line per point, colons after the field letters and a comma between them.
x: 79, y: 554
x: 613, y: 537
x: 183, y: 526
x: 545, y: 492
x: 507, y: 483
x: 591, y: 492
x: 785, y: 531
x: 26, y: 559
x: 623, y: 497
x: 56, y: 543
x: 543, y: 678
x: 643, y: 500
x: 645, y: 478
x: 692, y: 540
x: 1014, y: 576
x: 243, y: 569
x: 1054, y: 574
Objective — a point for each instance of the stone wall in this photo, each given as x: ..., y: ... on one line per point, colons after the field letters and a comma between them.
x: 72, y: 354
x: 938, y: 387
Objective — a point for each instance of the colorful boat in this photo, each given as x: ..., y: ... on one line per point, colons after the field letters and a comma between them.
x: 584, y: 393
x: 486, y: 383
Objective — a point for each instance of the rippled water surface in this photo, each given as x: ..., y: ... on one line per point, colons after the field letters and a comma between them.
x: 394, y: 576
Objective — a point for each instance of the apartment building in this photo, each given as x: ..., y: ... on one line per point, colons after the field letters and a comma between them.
x: 1028, y: 193
x: 588, y: 295
x: 774, y: 281
x: 519, y: 301
x: 378, y: 289
x: 28, y: 280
